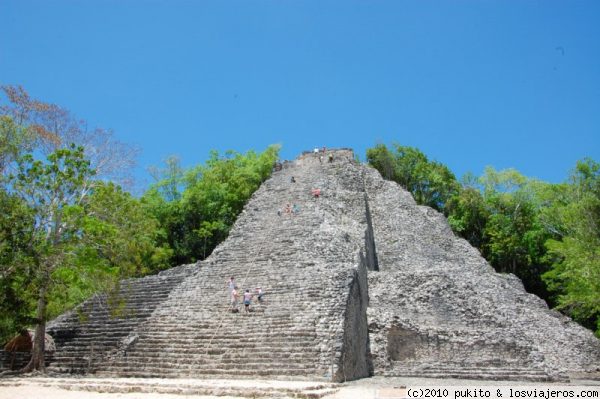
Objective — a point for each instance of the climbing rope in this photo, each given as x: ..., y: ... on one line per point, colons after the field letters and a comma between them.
x: 221, y: 318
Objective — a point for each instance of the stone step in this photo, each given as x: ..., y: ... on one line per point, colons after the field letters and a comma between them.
x: 487, y: 369
x: 225, y: 318
x: 477, y: 374
x: 217, y: 372
x: 253, y: 337
x: 213, y: 348
x: 225, y: 347
x: 242, y: 364
x: 177, y: 363
x: 265, y: 351
x: 231, y: 342
x: 201, y: 347
x: 231, y: 389
x: 227, y: 359
x: 226, y: 355
x: 230, y: 333
x: 95, y: 320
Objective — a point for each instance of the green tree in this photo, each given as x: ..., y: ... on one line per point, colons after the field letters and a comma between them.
x: 16, y: 221
x: 381, y: 158
x: 575, y: 253
x: 196, y: 208
x: 53, y: 192
x: 117, y: 240
x: 430, y: 183
x: 513, y: 236
x: 31, y: 129
x: 509, y: 218
x: 127, y: 230
x: 14, y: 141
x: 468, y: 215
x: 169, y: 180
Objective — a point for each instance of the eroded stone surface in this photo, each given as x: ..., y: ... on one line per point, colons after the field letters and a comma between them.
x: 437, y: 306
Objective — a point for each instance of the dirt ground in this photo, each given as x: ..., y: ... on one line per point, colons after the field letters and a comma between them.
x: 369, y: 388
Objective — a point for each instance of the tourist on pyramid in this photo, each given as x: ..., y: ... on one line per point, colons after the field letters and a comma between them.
x: 234, y: 300
x: 247, y: 300
x: 230, y: 284
x: 259, y: 294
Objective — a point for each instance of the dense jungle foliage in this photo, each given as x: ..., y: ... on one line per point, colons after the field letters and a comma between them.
x: 546, y: 234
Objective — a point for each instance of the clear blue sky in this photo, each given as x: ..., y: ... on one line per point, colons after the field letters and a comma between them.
x: 470, y: 83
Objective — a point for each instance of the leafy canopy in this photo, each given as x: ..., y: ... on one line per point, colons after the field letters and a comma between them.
x: 197, y: 207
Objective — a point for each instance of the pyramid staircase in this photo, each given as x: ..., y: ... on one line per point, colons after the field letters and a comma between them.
x: 303, y: 262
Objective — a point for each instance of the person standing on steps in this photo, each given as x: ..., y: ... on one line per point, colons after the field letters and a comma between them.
x: 259, y: 296
x: 247, y: 300
x: 230, y: 284
x: 234, y: 300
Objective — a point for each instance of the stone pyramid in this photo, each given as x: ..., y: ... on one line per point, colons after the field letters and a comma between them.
x: 358, y: 281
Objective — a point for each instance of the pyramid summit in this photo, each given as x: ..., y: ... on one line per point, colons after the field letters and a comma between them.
x: 358, y: 280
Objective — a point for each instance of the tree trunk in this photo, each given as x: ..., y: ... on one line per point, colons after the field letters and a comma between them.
x: 37, y: 353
